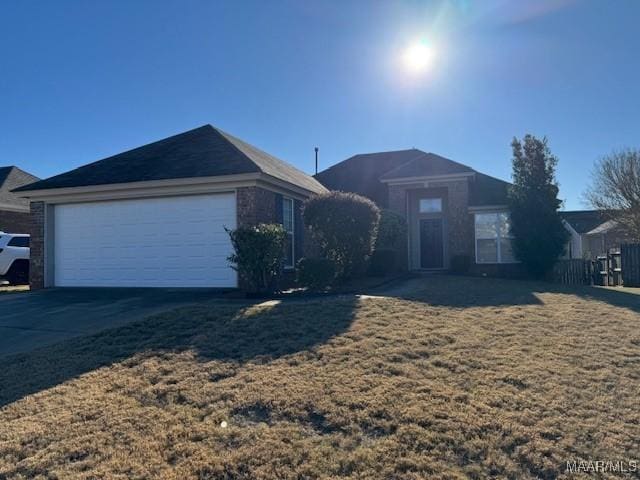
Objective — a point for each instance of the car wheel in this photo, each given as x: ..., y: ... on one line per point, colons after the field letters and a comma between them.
x: 18, y: 274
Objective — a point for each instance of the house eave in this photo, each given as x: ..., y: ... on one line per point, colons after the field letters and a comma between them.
x: 427, y: 179
x: 169, y: 187
x: 488, y: 208
x: 8, y: 207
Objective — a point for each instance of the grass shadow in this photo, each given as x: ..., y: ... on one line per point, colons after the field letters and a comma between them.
x: 467, y: 292
x: 463, y: 291
x: 228, y: 331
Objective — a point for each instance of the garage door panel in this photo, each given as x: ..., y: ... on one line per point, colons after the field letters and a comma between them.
x: 170, y: 242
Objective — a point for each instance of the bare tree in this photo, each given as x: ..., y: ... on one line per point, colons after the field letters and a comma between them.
x: 615, y: 189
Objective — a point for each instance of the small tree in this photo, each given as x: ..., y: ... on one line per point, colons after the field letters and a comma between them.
x: 344, y: 227
x: 539, y: 234
x: 258, y: 256
x: 615, y: 189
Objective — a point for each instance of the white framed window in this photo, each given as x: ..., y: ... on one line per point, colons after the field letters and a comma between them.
x: 493, y: 238
x: 430, y: 205
x: 288, y: 225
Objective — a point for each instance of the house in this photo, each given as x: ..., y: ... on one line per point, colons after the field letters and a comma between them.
x: 155, y: 216
x: 592, y: 233
x: 455, y: 214
x: 14, y: 210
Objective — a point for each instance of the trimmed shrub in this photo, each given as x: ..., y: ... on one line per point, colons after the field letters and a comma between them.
x: 460, y: 264
x: 392, y: 235
x: 258, y: 257
x: 316, y: 273
x: 383, y: 262
x: 392, y: 231
x: 344, y: 227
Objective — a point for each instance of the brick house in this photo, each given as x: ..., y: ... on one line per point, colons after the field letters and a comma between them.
x: 155, y: 216
x: 14, y: 210
x: 454, y: 213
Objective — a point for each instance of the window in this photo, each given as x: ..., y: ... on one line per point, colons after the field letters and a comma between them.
x: 493, y: 238
x: 430, y: 205
x: 19, y: 242
x: 287, y: 224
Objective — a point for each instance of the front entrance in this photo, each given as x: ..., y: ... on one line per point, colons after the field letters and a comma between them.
x: 431, y: 243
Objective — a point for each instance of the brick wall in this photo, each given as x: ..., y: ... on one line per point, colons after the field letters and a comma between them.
x: 36, y: 267
x: 256, y: 205
x: 459, y: 222
x: 15, y: 222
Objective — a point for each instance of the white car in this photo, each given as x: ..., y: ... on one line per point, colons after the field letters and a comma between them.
x: 14, y: 257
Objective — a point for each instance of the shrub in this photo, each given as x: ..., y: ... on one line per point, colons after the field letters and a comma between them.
x: 344, y: 227
x: 258, y: 256
x: 316, y: 273
x: 392, y: 235
x: 383, y: 262
x: 392, y: 231
x: 460, y: 264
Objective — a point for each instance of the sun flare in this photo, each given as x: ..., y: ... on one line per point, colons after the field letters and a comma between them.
x: 418, y: 57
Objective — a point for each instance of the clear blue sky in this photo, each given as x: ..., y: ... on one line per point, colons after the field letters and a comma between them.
x: 81, y: 80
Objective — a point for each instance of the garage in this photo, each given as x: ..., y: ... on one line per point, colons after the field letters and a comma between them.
x: 152, y: 242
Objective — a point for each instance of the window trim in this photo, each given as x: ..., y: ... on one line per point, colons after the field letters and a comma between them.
x: 292, y: 232
x: 497, y: 238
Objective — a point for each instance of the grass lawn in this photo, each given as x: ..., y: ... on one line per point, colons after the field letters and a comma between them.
x: 441, y: 377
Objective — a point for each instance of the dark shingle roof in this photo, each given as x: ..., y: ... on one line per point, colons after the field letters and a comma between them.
x: 203, y: 152
x: 485, y: 190
x: 4, y: 173
x: 583, y: 221
x: 361, y: 173
x: 12, y: 177
x: 426, y: 165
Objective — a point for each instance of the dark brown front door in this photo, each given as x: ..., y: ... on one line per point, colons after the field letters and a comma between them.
x: 431, y: 245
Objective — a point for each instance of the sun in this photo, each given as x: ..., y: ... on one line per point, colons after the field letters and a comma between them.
x: 418, y: 57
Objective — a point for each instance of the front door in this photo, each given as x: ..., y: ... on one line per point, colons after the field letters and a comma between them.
x: 431, y: 244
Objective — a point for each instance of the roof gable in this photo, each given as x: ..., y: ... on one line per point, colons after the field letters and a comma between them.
x: 12, y: 177
x: 427, y: 165
x: 583, y: 221
x: 361, y: 173
x: 201, y: 152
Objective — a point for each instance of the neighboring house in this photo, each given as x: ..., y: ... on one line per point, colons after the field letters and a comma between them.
x: 155, y: 216
x: 592, y: 233
x: 14, y: 210
x: 451, y: 209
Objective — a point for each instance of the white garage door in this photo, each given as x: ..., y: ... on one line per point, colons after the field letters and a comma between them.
x: 159, y: 242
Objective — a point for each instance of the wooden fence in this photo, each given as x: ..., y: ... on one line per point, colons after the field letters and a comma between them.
x: 573, y: 272
x: 630, y: 261
x: 616, y: 268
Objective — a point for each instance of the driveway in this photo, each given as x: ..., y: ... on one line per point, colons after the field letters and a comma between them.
x: 29, y: 320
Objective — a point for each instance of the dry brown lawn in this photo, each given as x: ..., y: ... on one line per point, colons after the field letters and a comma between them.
x: 442, y: 377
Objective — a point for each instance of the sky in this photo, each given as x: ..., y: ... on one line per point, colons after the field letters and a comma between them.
x: 82, y: 80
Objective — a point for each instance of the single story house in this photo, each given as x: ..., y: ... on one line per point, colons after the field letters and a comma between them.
x: 155, y: 216
x: 14, y: 210
x: 592, y: 233
x: 451, y: 209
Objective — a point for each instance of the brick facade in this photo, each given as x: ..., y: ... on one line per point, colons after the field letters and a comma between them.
x: 458, y: 233
x: 37, y: 260
x: 15, y: 222
x: 256, y: 205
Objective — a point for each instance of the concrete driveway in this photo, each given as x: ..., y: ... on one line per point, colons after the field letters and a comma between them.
x: 29, y: 320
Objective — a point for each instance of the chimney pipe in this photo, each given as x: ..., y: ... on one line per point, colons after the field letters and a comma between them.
x: 316, y: 149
